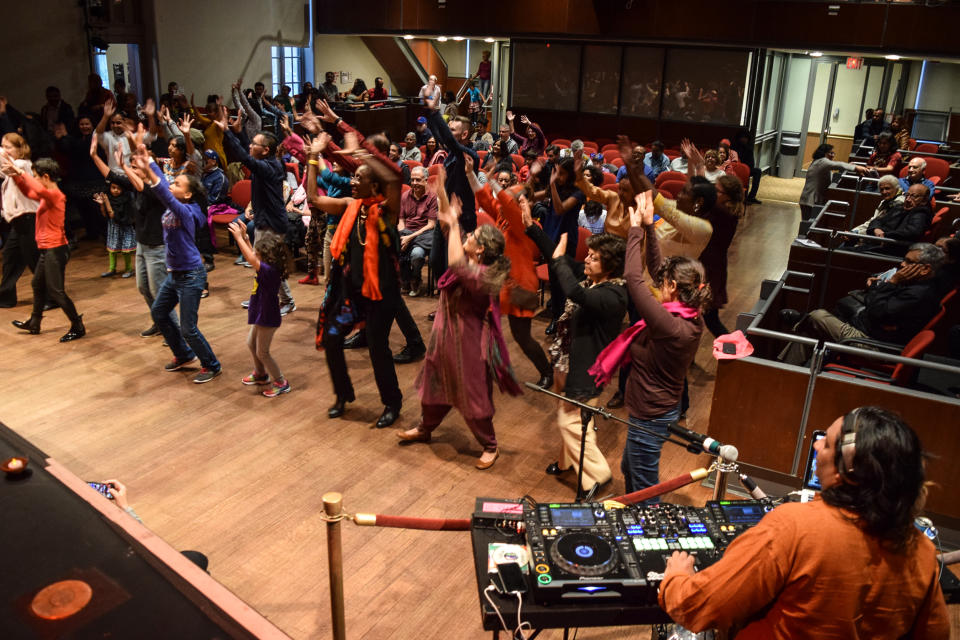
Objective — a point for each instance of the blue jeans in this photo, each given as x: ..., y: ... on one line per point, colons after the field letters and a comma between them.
x: 183, y: 287
x: 641, y: 455
x: 151, y: 270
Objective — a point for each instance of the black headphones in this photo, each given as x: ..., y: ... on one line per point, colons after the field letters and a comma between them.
x: 847, y: 442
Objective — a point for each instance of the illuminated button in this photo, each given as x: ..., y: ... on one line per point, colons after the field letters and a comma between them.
x: 553, y: 532
x: 662, y: 543
x: 545, y: 532
x: 542, y: 568
x: 685, y: 543
x: 544, y: 578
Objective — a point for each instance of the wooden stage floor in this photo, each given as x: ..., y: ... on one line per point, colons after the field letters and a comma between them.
x: 220, y: 469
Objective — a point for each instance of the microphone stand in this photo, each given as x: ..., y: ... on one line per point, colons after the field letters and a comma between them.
x: 586, y: 414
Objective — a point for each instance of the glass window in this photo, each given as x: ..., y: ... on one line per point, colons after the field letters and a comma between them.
x: 600, y: 80
x: 642, y: 75
x: 705, y: 85
x: 771, y: 91
x: 287, y: 65
x: 545, y: 75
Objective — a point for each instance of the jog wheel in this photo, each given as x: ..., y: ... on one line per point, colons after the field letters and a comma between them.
x: 61, y: 599
x: 583, y: 554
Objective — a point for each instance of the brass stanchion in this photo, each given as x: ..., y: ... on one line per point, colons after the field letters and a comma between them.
x: 332, y: 507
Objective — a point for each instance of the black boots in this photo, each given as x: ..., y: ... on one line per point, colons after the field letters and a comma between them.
x: 77, y: 330
x: 31, y: 326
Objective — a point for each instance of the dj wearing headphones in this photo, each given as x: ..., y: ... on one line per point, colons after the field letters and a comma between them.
x: 851, y: 565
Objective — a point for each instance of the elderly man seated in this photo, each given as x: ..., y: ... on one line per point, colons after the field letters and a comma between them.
x: 893, y: 310
x: 418, y: 217
x: 907, y: 222
x: 915, y: 175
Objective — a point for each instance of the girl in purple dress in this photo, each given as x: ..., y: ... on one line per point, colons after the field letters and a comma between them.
x: 269, y: 259
x: 466, y: 353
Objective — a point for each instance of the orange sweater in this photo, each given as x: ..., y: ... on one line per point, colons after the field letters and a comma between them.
x: 520, y: 249
x: 50, y: 213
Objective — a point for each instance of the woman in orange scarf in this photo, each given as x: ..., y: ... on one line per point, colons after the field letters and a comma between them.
x: 364, y: 288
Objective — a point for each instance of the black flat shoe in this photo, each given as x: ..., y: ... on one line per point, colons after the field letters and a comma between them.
x: 545, y: 382
x: 616, y: 401
x: 554, y: 469
x: 77, y: 331
x: 31, y: 326
x: 551, y: 328
x: 388, y: 417
x: 337, y: 409
x: 790, y: 318
x: 410, y: 354
x: 356, y: 341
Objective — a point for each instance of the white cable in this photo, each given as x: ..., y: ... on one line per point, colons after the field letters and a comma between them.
x: 486, y: 594
x: 519, y: 630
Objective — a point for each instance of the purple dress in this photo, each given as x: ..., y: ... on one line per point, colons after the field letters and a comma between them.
x: 466, y: 351
x: 264, y: 310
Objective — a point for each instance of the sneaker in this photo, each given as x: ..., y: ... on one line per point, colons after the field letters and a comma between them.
x: 245, y: 304
x: 239, y: 261
x: 108, y: 274
x: 206, y: 375
x: 247, y: 264
x: 288, y: 308
x: 253, y: 378
x: 177, y: 364
x: 309, y: 279
x: 205, y: 293
x: 277, y: 388
x: 152, y: 331
x: 127, y: 274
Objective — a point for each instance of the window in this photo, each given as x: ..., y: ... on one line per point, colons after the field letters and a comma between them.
x: 287, y: 68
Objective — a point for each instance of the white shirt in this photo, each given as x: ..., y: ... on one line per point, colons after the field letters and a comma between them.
x: 14, y: 203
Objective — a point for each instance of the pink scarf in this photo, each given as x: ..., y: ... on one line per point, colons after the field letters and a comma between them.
x: 617, y: 354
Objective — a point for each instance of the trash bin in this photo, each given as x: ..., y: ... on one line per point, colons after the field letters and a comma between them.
x: 789, y: 154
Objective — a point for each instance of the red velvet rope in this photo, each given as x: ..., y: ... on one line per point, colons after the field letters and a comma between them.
x: 431, y: 524
x: 656, y: 490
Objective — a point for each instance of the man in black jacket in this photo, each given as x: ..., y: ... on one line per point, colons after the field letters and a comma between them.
x: 906, y: 223
x: 894, y: 310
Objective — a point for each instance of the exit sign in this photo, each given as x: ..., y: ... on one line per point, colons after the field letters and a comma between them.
x: 854, y: 63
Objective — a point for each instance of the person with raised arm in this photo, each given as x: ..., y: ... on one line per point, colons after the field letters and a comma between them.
x: 363, y: 286
x: 660, y: 347
x: 267, y: 175
x: 467, y: 353
x: 186, y: 276
x: 534, y: 139
x: 518, y: 297
x: 48, y: 276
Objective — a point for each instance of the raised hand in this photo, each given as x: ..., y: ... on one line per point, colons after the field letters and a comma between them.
x: 468, y: 162
x: 237, y: 230
x: 449, y: 215
x: 165, y: 113
x: 554, y: 173
x: 510, y: 116
x: 221, y: 119
x: 94, y: 141
x: 149, y: 108
x: 524, y: 120
x: 285, y: 124
x: 118, y: 155
x: 351, y: 143
x: 642, y: 214
x: 7, y: 167
x: 561, y: 248
x: 184, y: 124
x: 525, y: 213
x: 109, y: 107
x: 235, y: 121
x: 625, y: 147
x: 310, y: 121
x: 319, y: 143
x: 326, y: 112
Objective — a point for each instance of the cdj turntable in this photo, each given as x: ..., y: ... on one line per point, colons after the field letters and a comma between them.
x: 590, y: 552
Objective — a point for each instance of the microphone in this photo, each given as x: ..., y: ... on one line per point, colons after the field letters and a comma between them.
x: 755, y: 492
x: 698, y: 441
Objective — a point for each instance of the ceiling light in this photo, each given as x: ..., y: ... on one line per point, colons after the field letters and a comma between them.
x: 442, y: 39
x: 816, y: 54
x: 458, y: 38
x: 408, y: 37
x: 490, y: 40
x: 892, y: 57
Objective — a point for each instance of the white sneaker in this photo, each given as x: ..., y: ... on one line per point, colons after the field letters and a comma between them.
x: 288, y: 308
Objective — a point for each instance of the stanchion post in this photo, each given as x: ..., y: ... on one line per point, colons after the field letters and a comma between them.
x: 333, y: 507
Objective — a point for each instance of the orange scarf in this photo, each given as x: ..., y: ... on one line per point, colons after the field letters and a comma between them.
x: 371, y: 250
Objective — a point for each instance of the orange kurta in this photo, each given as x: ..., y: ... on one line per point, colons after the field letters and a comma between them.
x: 807, y: 571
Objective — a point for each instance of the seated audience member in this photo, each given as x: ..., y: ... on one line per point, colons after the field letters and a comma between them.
x: 379, y: 91
x: 878, y: 125
x: 639, y: 153
x: 890, y: 198
x: 418, y: 217
x: 900, y: 133
x: 679, y: 163
x: 915, y: 170
x: 851, y: 565
x: 284, y: 99
x: 862, y: 132
x: 893, y: 310
x: 423, y: 133
x: 594, y: 215
x: 450, y: 109
x: 55, y: 111
x: 819, y: 173
x: 330, y: 88
x: 511, y: 144
x: 498, y: 158
x: 393, y: 152
x: 723, y: 159
x: 885, y: 159
x: 410, y: 150
x: 357, y: 93
x: 655, y: 160
x: 907, y: 223
x: 711, y: 166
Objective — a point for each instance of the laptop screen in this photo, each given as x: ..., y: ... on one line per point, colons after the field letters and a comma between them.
x: 810, y: 479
